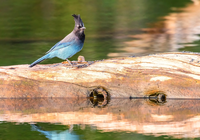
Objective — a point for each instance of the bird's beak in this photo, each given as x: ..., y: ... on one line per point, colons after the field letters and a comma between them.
x: 83, y: 28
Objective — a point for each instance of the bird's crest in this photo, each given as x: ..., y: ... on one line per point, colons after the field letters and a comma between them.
x: 78, y: 22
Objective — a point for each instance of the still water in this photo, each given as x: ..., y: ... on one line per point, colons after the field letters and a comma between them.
x: 115, y: 28
x: 81, y: 119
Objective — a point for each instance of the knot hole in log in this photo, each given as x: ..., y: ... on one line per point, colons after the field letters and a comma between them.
x: 99, y: 97
x: 157, y: 97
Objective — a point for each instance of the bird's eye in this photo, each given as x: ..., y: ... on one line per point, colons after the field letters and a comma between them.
x: 79, y: 26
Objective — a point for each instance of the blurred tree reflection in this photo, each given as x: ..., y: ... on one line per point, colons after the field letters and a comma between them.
x: 30, y: 28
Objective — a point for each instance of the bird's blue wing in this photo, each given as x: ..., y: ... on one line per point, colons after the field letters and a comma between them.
x: 53, y: 47
x: 59, y: 45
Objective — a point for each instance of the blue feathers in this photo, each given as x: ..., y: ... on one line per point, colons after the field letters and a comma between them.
x: 65, y: 50
x: 59, y: 45
x: 68, y: 46
x: 39, y: 60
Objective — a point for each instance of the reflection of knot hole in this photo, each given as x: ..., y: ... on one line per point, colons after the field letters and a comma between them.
x: 157, y: 97
x: 99, y: 97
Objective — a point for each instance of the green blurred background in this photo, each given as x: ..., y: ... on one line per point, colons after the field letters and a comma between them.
x: 29, y: 28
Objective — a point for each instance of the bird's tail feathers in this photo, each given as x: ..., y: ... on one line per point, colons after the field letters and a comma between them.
x: 39, y: 60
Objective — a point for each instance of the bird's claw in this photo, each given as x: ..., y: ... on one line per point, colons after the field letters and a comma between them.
x: 81, y: 63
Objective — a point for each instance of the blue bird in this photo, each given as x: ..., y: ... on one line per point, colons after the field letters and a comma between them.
x: 68, y: 46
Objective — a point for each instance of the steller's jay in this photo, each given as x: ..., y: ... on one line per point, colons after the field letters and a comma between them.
x: 68, y: 46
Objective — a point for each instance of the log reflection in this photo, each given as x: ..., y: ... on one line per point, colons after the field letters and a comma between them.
x: 174, y: 117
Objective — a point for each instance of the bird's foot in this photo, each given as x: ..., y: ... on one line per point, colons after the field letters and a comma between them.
x: 81, y: 63
x: 68, y: 62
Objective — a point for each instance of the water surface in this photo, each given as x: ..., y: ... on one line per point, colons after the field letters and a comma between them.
x: 28, y: 29
x: 73, y: 118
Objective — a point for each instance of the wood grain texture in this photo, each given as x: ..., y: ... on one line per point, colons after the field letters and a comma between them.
x: 176, y: 75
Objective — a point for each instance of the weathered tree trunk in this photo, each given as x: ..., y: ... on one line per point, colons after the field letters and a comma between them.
x: 176, y: 75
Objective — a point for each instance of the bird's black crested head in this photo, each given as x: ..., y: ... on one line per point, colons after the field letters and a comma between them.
x: 79, y: 26
x: 78, y: 22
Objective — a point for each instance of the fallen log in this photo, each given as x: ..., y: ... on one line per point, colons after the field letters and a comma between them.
x: 171, y: 75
